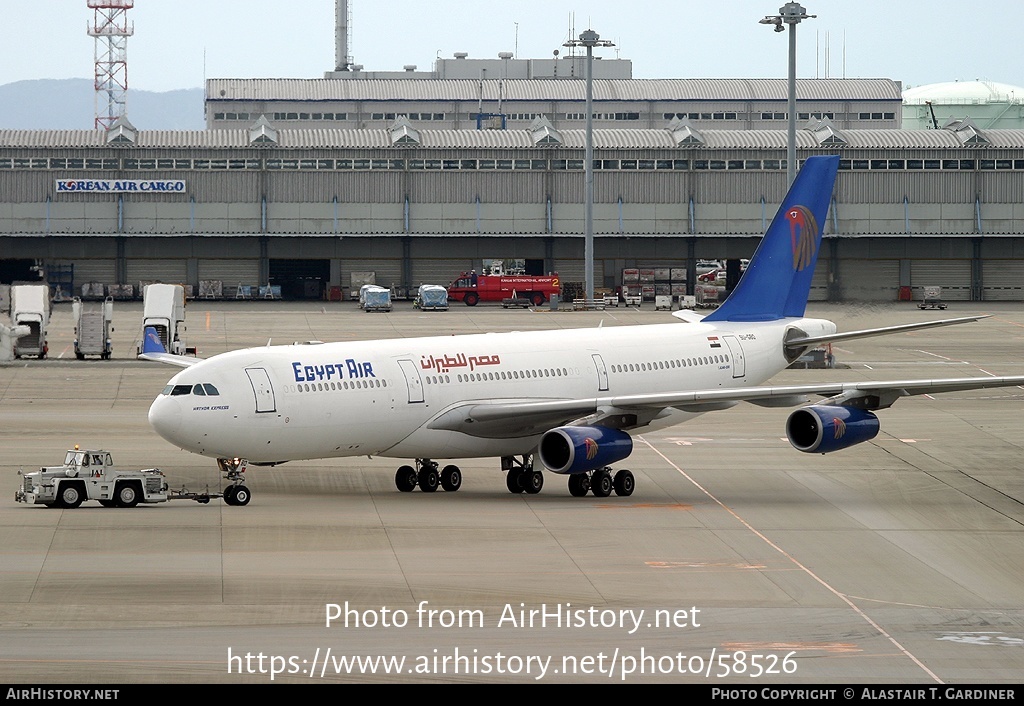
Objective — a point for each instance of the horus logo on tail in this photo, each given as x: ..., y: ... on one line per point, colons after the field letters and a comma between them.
x: 803, y: 233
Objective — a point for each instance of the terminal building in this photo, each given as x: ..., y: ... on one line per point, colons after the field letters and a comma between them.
x: 364, y: 101
x: 417, y: 177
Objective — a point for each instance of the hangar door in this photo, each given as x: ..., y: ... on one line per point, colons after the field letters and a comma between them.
x: 869, y: 280
x: 954, y: 276
x: 301, y: 279
x: 1003, y: 280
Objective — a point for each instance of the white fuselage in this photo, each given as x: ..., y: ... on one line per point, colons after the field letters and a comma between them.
x: 371, y: 398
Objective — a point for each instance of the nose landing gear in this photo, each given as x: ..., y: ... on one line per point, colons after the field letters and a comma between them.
x: 236, y: 494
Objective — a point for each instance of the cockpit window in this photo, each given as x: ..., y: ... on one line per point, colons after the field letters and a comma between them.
x: 200, y: 388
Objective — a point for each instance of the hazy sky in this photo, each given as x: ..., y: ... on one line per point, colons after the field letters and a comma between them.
x: 179, y: 42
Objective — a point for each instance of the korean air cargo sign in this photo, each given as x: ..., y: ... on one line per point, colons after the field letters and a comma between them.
x: 122, y: 186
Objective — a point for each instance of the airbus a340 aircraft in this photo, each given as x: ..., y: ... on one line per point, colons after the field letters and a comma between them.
x: 568, y: 397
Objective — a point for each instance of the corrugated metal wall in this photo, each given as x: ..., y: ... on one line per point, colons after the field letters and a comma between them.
x: 231, y: 272
x: 870, y: 280
x: 103, y: 271
x: 954, y: 276
x: 1003, y: 280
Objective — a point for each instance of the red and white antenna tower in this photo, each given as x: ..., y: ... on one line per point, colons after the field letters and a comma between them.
x: 111, y: 29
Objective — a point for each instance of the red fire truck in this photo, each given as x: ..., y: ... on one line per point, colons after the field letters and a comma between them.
x: 472, y: 288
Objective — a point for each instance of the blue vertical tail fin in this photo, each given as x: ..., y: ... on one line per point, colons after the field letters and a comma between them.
x: 151, y: 342
x: 778, y: 276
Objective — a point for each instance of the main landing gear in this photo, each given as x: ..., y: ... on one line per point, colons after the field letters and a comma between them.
x: 427, y: 477
x: 601, y: 483
x: 236, y: 493
x: 521, y: 476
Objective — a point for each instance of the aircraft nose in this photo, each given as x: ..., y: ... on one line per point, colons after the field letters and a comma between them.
x: 165, y: 417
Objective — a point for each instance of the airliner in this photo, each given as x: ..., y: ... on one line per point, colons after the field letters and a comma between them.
x: 568, y: 398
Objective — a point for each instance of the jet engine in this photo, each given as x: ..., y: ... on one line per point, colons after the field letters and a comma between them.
x: 577, y: 449
x: 826, y: 428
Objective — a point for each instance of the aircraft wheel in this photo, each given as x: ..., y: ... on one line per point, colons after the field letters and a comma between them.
x: 451, y: 478
x: 624, y: 483
x: 71, y: 495
x: 428, y: 480
x: 579, y: 485
x: 601, y: 484
x: 532, y: 482
x: 126, y: 495
x: 242, y: 495
x: 405, y: 479
x: 514, y: 481
x: 229, y: 494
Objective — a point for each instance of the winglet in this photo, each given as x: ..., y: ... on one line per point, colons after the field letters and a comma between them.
x: 151, y: 342
x: 778, y: 278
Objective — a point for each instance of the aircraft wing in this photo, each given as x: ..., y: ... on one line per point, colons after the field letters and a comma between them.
x: 181, y: 361
x: 887, y: 391
x: 866, y: 333
x: 514, y: 418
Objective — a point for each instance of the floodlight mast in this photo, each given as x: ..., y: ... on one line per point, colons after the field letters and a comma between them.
x: 589, y: 39
x: 792, y: 14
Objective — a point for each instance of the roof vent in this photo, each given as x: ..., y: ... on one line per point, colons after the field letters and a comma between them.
x: 121, y: 132
x: 684, y: 133
x: 403, y: 133
x: 825, y: 132
x: 966, y: 131
x: 409, y: 67
x: 542, y: 132
x: 461, y: 54
x: 262, y: 132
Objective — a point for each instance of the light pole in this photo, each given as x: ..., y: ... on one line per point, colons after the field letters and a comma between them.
x: 792, y: 14
x: 589, y: 39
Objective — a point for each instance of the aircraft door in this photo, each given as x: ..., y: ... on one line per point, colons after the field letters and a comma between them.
x: 602, y: 373
x: 412, y: 380
x: 262, y: 389
x: 739, y: 366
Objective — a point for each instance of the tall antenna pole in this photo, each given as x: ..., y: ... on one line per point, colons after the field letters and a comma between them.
x: 589, y: 39
x: 342, y: 36
x: 111, y: 29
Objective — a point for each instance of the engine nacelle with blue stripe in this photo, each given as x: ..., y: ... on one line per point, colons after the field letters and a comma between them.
x: 577, y: 449
x: 826, y: 428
